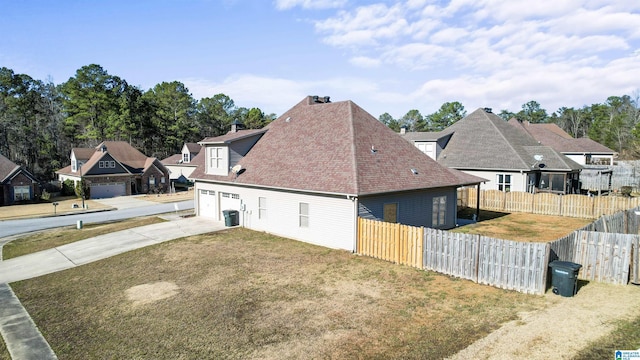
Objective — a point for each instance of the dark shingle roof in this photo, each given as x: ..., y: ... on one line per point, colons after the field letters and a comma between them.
x: 482, y: 140
x: 337, y: 148
x: 121, y: 151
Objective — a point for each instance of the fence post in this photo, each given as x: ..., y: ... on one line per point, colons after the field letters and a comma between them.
x: 477, y: 259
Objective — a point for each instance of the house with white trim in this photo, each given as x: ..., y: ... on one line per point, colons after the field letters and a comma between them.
x: 482, y: 144
x: 312, y: 172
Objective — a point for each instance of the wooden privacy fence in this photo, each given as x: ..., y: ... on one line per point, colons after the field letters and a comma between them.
x: 506, y: 264
x: 580, y: 206
x: 401, y: 244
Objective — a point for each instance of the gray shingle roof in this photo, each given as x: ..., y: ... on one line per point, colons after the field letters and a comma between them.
x: 337, y: 148
x: 482, y: 140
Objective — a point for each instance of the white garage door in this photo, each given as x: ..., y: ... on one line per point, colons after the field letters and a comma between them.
x: 102, y: 191
x: 207, y: 203
x: 229, y: 201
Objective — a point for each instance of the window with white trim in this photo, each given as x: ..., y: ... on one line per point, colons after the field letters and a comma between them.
x: 303, y: 211
x: 215, y: 158
x: 185, y: 157
x: 152, y: 180
x: 262, y: 208
x: 101, y: 164
x: 21, y: 193
x: 504, y: 182
x: 439, y: 211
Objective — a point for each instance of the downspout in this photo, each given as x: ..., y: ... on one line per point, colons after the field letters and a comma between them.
x: 478, y: 203
x: 354, y: 201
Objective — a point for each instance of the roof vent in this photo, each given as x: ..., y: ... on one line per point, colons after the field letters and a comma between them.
x: 414, y: 171
x: 103, y: 148
x: 488, y: 110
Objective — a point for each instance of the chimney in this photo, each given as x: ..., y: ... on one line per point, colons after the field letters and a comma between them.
x: 403, y: 129
x: 236, y: 125
x: 320, y: 99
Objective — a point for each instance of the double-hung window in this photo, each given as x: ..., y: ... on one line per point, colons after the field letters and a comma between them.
x: 303, y: 211
x: 262, y: 208
x: 504, y: 182
x: 215, y: 158
x: 439, y: 211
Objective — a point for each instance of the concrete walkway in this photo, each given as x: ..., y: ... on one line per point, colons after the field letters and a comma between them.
x: 21, y: 336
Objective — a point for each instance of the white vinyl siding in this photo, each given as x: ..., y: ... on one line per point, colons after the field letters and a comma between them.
x: 333, y: 224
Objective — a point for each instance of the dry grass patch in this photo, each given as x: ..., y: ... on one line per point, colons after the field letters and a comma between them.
x: 65, y: 206
x: 525, y: 227
x: 49, y: 239
x: 239, y: 294
x: 4, y: 352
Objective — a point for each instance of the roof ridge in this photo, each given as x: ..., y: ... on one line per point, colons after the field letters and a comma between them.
x: 353, y: 147
x: 506, y: 140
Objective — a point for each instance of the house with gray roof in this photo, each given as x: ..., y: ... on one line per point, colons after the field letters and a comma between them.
x: 312, y: 172
x: 584, y: 151
x: 17, y: 184
x: 115, y: 168
x: 484, y: 145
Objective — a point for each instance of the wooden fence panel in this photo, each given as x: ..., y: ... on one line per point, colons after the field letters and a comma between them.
x: 401, y: 244
x: 605, y: 257
x: 513, y: 265
x: 564, y: 248
x: 492, y: 200
x: 547, y: 204
x: 579, y: 206
x: 450, y: 253
x: 518, y: 201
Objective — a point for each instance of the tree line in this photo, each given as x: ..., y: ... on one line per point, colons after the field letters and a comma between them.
x: 614, y: 123
x: 40, y: 122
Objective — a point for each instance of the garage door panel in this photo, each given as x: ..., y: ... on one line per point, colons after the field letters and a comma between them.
x: 102, y: 191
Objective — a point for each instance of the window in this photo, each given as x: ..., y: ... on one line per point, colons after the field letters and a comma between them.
x: 152, y: 180
x: 215, y: 156
x: 74, y: 165
x: 185, y: 158
x: 304, y: 214
x: 112, y: 164
x: 162, y: 180
x: 21, y: 193
x: 101, y: 164
x: 439, y: 211
x: 504, y: 182
x: 262, y: 208
x: 390, y: 212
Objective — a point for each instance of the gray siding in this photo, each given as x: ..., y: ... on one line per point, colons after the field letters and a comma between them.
x: 414, y: 208
x: 238, y: 149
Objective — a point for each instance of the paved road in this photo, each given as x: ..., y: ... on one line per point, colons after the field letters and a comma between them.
x: 127, y: 208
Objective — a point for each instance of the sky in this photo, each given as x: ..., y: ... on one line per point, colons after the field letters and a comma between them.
x: 386, y: 56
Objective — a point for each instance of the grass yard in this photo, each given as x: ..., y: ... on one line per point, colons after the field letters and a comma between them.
x: 523, y: 226
x: 625, y: 337
x: 48, y: 239
x: 65, y: 206
x: 240, y: 294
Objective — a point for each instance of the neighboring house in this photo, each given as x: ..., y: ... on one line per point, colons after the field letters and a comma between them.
x: 115, y: 168
x: 484, y: 145
x: 181, y: 165
x: 313, y: 171
x: 584, y: 151
x: 16, y: 183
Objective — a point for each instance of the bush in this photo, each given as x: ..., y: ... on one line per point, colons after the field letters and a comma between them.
x: 626, y: 191
x: 68, y: 188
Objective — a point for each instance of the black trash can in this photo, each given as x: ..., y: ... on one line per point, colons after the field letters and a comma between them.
x: 564, y: 277
x: 230, y: 217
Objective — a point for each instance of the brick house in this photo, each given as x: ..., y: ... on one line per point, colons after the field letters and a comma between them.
x: 16, y: 183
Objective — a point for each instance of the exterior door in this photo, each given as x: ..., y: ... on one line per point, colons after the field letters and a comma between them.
x: 207, y: 203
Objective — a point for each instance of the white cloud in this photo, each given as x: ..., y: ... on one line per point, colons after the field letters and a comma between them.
x: 309, y: 4
x: 365, y: 62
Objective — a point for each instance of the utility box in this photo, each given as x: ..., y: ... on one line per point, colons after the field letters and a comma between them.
x: 230, y: 217
x: 564, y: 277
